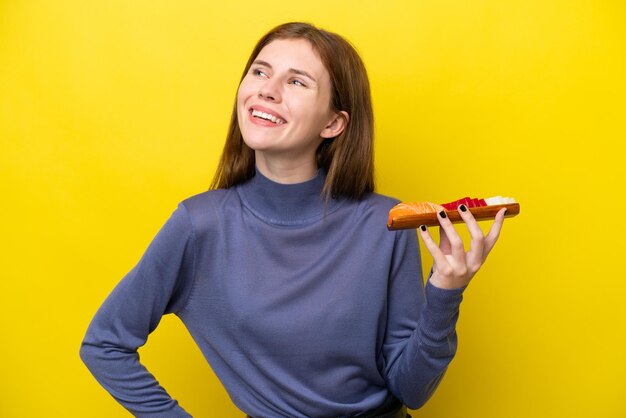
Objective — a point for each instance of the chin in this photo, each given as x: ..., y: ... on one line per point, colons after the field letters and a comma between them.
x: 257, y: 144
x: 259, y: 139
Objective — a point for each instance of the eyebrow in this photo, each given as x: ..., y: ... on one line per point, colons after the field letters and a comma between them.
x: 291, y: 70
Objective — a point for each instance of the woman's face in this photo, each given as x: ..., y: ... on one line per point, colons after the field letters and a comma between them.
x: 283, y: 103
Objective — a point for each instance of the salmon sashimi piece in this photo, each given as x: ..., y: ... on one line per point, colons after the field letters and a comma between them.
x: 413, y: 208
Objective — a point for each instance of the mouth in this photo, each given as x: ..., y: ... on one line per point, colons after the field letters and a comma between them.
x: 266, y: 115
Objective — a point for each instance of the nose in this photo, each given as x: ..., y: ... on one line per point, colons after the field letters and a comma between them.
x: 266, y: 95
x: 270, y: 90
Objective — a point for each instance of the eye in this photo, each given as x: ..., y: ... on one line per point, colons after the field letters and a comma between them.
x: 297, y: 82
x: 258, y: 72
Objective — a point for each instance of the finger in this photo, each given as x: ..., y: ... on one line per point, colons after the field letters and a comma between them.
x: 431, y: 246
x: 456, y: 243
x: 444, y: 242
x: 494, y: 233
x: 475, y: 254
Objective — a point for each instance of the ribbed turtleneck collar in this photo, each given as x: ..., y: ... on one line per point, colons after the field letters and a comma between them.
x: 286, y: 204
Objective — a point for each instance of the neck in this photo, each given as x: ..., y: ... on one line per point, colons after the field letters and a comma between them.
x: 287, y: 204
x: 285, y: 171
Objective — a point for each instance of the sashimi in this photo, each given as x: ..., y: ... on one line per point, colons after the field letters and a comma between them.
x: 407, y: 208
x: 413, y: 214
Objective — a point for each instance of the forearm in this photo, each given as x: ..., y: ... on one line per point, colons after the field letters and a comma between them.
x: 416, y: 373
x: 119, y: 371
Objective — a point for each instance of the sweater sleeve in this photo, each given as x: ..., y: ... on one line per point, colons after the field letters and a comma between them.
x: 420, y: 340
x: 160, y: 283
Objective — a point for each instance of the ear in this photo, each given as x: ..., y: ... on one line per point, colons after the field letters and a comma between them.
x: 336, y: 126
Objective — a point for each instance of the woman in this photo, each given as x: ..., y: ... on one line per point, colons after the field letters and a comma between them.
x: 285, y: 274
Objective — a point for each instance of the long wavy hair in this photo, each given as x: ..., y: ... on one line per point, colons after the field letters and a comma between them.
x: 348, y: 159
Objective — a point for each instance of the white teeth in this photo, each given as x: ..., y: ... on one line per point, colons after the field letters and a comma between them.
x: 267, y: 116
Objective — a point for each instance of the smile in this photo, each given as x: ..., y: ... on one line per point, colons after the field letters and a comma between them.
x: 267, y: 116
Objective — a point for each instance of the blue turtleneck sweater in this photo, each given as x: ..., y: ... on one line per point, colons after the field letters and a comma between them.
x: 303, y: 308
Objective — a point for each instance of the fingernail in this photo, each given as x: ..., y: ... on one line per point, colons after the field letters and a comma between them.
x: 463, y: 208
x: 505, y: 211
x: 443, y: 214
x: 423, y: 227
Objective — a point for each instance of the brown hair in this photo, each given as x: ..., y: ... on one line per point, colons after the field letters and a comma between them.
x: 348, y: 158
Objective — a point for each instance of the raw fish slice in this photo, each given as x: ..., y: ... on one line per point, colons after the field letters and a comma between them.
x: 407, y: 208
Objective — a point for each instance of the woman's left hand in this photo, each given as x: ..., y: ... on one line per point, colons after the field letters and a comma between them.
x: 453, y: 267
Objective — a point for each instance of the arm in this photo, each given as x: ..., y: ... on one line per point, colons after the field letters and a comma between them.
x: 421, y: 339
x: 160, y: 283
x: 418, y: 359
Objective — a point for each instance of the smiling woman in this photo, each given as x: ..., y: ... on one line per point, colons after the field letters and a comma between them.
x: 328, y: 69
x: 285, y: 274
x: 284, y: 110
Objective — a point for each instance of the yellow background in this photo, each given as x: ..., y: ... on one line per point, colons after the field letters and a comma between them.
x: 111, y: 112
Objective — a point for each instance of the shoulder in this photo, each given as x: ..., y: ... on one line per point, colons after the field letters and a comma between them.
x: 368, y: 214
x: 204, y: 209
x: 380, y: 200
x: 375, y: 203
x: 375, y: 207
x: 201, y: 201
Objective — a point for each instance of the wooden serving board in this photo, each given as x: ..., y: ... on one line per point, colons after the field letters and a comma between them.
x: 430, y: 219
